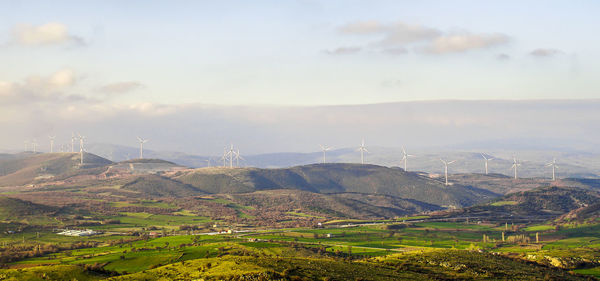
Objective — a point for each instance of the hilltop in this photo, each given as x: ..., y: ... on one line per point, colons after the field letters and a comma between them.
x: 30, y: 168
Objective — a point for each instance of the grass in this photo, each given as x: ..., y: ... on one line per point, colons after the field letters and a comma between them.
x: 504, y: 203
x: 543, y: 227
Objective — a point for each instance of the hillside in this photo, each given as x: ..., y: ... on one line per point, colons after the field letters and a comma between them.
x: 587, y: 214
x: 38, y: 167
x: 158, y: 186
x: 276, y: 205
x: 335, y: 178
x: 502, y: 184
x: 538, y: 204
x: 12, y: 208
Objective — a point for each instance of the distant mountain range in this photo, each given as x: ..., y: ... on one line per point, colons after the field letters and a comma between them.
x: 571, y: 163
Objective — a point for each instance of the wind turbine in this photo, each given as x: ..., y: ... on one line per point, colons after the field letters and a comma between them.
x: 446, y: 163
x: 553, y: 165
x: 207, y: 162
x: 81, y: 138
x: 362, y: 150
x: 142, y: 141
x: 486, y: 162
x: 238, y: 157
x: 34, y: 144
x: 72, y: 142
x: 405, y: 157
x: 26, y: 142
x: 224, y: 157
x: 324, y: 148
x: 51, y: 143
x: 515, y: 166
x: 229, y: 154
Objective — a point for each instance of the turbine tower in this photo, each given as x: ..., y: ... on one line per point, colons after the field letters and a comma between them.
x: 51, y: 143
x: 486, y: 162
x: 81, y: 139
x: 405, y: 157
x: 207, y: 162
x: 324, y: 148
x: 446, y: 163
x: 553, y: 165
x: 142, y: 141
x: 515, y: 166
x: 362, y: 150
x: 26, y: 142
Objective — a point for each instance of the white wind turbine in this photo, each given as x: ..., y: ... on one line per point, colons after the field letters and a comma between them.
x: 515, y: 166
x: 81, y: 139
x: 229, y: 155
x: 51, y: 143
x: 238, y: 157
x: 554, y: 166
x: 486, y: 162
x: 446, y: 163
x: 362, y: 150
x: 34, y: 145
x: 324, y: 148
x: 26, y: 142
x: 405, y: 157
x: 142, y: 141
x: 207, y: 162
x: 73, y: 142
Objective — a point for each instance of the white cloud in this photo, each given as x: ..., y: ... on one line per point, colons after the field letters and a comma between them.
x: 458, y: 43
x: 36, y: 88
x: 401, y: 33
x: 396, y: 37
x: 364, y: 27
x: 395, y: 51
x: 343, y: 51
x: 120, y: 87
x: 45, y: 34
x: 395, y: 34
x: 544, y: 53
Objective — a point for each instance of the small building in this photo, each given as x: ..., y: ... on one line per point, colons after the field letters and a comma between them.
x: 78, y: 233
x: 329, y: 235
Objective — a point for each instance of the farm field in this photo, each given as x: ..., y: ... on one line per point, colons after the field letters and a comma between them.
x: 567, y: 252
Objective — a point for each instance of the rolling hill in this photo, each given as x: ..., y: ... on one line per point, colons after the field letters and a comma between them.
x: 159, y: 186
x: 31, y: 168
x: 539, y: 204
x: 335, y: 178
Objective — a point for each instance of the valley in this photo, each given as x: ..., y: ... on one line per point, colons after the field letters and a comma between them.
x: 153, y: 219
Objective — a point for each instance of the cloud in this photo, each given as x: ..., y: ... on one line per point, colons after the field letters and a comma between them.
x: 394, y: 34
x: 36, y: 88
x: 120, y: 87
x: 396, y: 37
x: 395, y: 51
x: 503, y: 57
x: 343, y: 51
x: 545, y: 53
x: 45, y: 34
x: 364, y: 27
x: 459, y: 43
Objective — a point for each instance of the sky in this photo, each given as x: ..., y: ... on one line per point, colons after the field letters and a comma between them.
x: 66, y: 64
